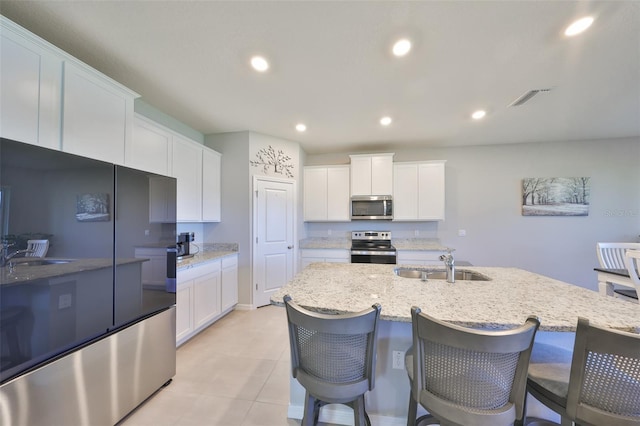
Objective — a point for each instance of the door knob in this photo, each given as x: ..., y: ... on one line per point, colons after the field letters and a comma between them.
x: 289, y: 247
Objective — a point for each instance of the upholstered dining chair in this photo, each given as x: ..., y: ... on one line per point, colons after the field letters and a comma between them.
x: 603, y: 387
x: 464, y: 376
x: 333, y: 357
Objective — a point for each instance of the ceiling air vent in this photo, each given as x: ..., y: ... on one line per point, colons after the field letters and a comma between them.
x: 527, y: 96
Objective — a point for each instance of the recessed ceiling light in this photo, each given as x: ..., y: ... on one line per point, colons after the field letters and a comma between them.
x: 301, y: 127
x: 259, y: 63
x: 478, y: 114
x: 401, y: 47
x: 385, y: 121
x: 578, y: 26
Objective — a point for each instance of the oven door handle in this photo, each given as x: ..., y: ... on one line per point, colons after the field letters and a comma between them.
x: 372, y: 253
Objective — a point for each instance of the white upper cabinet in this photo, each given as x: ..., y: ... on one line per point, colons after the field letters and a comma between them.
x: 150, y: 147
x: 419, y: 191
x: 197, y: 170
x: 30, y: 88
x: 210, y: 185
x: 187, y: 169
x: 326, y: 194
x: 315, y: 194
x: 98, y: 115
x: 372, y: 174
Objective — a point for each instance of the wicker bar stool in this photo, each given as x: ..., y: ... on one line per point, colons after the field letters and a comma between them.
x: 333, y: 357
x: 464, y: 376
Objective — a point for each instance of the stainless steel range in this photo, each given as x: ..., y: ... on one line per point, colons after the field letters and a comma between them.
x: 372, y: 247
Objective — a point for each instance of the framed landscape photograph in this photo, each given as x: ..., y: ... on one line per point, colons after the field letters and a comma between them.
x: 555, y: 196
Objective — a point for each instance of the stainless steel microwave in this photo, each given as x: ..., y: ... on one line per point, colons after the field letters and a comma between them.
x: 371, y: 207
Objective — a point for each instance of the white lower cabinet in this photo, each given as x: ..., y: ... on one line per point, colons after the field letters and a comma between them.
x: 229, y: 285
x: 308, y: 256
x: 416, y: 257
x: 154, y: 270
x: 204, y: 293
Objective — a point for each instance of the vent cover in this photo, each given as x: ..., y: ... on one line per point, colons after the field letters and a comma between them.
x: 526, y: 97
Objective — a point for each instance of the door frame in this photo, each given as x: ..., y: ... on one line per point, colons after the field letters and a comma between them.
x: 254, y: 225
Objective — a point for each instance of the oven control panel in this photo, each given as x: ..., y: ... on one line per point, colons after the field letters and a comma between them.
x: 371, y: 235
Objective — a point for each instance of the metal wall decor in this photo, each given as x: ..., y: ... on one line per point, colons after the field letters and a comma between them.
x: 269, y: 157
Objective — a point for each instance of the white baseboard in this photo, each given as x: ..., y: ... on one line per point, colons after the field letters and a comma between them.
x: 244, y: 307
x: 343, y: 415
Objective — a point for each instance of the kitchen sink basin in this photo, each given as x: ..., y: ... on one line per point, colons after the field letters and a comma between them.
x: 426, y: 274
x: 41, y: 262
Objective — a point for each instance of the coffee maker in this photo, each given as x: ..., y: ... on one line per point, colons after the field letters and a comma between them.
x: 183, y: 244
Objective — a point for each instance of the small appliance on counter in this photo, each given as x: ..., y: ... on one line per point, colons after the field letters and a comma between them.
x: 183, y: 245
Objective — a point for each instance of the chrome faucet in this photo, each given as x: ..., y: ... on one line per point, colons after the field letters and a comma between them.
x: 450, y: 267
x: 5, y: 256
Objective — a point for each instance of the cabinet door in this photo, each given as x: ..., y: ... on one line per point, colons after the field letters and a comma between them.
x: 96, y: 116
x: 31, y: 85
x: 382, y: 175
x: 162, y: 200
x: 338, y: 194
x: 150, y: 148
x: 405, y: 191
x: 187, y: 169
x: 229, y: 293
x: 184, y: 314
x: 206, y: 302
x: 315, y: 194
x: 210, y: 186
x: 361, y: 175
x: 432, y: 191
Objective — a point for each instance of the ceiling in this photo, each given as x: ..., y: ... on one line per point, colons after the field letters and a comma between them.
x: 332, y: 67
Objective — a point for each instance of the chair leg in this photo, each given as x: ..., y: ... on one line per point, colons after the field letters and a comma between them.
x: 413, y: 411
x: 311, y: 411
x: 359, y: 415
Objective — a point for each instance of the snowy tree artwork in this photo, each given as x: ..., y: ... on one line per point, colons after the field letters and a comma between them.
x: 555, y: 196
x: 269, y: 158
x: 92, y: 208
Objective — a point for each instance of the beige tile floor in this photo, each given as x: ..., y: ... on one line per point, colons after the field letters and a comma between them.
x: 234, y: 373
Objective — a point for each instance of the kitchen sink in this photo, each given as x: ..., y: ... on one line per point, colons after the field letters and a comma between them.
x: 427, y: 274
x: 41, y: 262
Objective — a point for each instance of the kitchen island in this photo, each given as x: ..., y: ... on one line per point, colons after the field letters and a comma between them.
x: 503, y: 300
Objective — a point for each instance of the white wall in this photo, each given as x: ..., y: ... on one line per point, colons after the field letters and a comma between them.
x: 483, y: 191
x: 235, y: 200
x: 238, y: 149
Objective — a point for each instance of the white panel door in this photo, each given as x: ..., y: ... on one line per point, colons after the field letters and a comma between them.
x: 274, y: 236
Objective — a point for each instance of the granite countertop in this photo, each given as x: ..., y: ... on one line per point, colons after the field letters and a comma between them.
x: 207, y: 253
x: 505, y: 301
x: 422, y: 244
x: 20, y: 274
x: 418, y: 244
